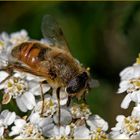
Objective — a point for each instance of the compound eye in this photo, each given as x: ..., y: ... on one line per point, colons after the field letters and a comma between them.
x: 77, y: 83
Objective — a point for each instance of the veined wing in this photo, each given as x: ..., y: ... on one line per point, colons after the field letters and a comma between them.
x: 52, y: 33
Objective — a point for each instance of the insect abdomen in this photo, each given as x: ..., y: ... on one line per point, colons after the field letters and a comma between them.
x: 30, y: 53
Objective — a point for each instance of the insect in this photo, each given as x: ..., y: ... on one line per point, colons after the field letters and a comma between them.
x: 53, y: 61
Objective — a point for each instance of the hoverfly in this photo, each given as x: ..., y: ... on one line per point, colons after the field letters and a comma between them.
x: 52, y: 60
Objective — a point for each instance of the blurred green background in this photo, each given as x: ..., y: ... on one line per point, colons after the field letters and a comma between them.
x: 102, y: 35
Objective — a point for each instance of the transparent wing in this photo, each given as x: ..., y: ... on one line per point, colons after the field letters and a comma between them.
x: 53, y: 33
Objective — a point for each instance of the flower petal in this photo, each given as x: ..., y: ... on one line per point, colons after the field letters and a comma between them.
x: 35, y: 88
x: 35, y: 118
x: 124, y: 85
x: 19, y: 124
x: 126, y: 101
x: 65, y: 119
x: 81, y: 133
x: 1, y: 131
x: 127, y: 73
x: 121, y: 136
x: 29, y: 100
x: 21, y: 104
x: 48, y: 130
x: 3, y: 75
x: 9, y: 119
x: 135, y: 96
x: 45, y: 122
x: 63, y: 97
x: 96, y: 121
x: 136, y: 111
x: 136, y: 71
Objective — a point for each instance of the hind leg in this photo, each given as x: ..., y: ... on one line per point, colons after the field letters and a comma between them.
x: 42, y: 96
x: 59, y: 111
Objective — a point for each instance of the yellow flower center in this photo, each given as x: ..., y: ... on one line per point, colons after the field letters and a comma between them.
x: 99, y: 135
x: 131, y: 125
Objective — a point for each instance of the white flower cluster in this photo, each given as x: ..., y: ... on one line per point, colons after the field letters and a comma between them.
x: 129, y: 127
x: 41, y: 117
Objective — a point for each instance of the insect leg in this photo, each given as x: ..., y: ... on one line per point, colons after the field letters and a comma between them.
x: 69, y: 101
x: 59, y: 111
x: 42, y: 98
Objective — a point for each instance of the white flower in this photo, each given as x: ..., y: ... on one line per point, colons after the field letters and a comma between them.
x: 98, y: 127
x: 92, y: 128
x: 126, y: 127
x: 45, y: 125
x: 98, y: 134
x: 80, y: 111
x: 136, y: 110
x: 134, y: 96
x: 23, y: 130
x: 47, y: 108
x: 81, y: 132
x: 130, y: 82
x: 130, y: 85
x: 120, y: 136
x: 3, y: 75
x: 6, y: 119
x: 130, y: 72
x: 4, y: 49
x: 95, y: 122
x: 22, y: 90
x: 65, y: 117
x: 130, y: 79
x: 19, y: 37
x: 61, y: 132
x: 29, y: 92
x: 4, y: 39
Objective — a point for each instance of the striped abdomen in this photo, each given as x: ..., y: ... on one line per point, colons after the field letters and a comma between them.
x: 30, y: 53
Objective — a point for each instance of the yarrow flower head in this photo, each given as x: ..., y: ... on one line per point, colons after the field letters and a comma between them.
x: 22, y: 90
x: 130, y: 83
x: 46, y: 116
x: 6, y: 119
x: 129, y: 127
x: 80, y: 111
x: 25, y: 130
